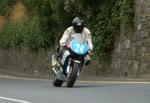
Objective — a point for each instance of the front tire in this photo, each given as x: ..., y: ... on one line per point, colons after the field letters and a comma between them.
x: 72, y: 77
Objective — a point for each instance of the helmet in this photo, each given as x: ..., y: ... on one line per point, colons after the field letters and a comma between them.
x: 78, y: 25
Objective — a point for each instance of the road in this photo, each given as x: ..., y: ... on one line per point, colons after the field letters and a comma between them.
x: 42, y: 91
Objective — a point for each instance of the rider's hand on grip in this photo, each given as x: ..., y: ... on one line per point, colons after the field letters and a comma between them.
x: 90, y: 52
x: 64, y: 46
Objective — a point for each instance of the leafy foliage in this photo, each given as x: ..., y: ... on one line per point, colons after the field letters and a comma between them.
x: 5, y: 6
x: 49, y: 18
x: 27, y: 34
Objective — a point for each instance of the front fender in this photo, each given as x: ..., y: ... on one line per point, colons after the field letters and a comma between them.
x: 77, y: 61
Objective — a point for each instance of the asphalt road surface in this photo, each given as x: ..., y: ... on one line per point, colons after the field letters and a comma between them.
x: 42, y: 91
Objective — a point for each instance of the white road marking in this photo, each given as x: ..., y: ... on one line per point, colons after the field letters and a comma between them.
x: 116, y: 82
x: 17, y: 78
x: 14, y: 100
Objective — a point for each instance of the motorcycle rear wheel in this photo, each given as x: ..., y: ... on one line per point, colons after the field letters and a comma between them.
x: 57, y: 83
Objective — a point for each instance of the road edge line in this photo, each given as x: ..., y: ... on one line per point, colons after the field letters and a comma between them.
x: 14, y: 100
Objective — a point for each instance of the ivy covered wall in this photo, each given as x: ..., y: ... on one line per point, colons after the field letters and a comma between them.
x: 131, y: 56
x: 50, y: 18
x: 120, y: 30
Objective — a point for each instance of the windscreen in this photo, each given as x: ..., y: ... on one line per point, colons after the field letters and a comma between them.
x: 78, y: 44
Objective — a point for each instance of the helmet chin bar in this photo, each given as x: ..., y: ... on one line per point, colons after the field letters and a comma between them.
x: 78, y: 29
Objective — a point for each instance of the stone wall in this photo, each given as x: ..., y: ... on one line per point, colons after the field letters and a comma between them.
x: 25, y: 62
x: 131, y: 57
x: 32, y: 63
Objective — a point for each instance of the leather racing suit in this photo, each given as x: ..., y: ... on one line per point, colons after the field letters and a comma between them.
x: 70, y: 31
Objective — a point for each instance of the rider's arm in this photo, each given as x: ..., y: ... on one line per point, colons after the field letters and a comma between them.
x: 90, y: 42
x: 89, y: 39
x: 63, y: 41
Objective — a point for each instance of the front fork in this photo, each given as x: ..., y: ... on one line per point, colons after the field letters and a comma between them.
x: 79, y: 69
x: 69, y: 67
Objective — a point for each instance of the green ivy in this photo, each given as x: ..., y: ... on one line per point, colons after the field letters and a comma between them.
x: 106, y: 28
x: 27, y: 34
x: 126, y: 15
x: 49, y: 18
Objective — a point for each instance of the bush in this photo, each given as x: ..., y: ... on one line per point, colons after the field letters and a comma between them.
x: 26, y: 34
x: 104, y: 17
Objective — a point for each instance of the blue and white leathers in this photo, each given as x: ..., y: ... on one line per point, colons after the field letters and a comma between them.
x: 79, y: 48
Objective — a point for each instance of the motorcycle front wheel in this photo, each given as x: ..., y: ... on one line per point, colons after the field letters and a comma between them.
x: 73, y: 75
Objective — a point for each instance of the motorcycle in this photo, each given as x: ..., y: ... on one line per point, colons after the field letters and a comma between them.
x: 69, y: 67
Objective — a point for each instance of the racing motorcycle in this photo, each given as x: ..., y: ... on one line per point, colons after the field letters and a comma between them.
x: 69, y: 67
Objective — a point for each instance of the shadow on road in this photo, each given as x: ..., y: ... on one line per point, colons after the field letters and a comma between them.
x: 86, y: 86
x: 92, y: 86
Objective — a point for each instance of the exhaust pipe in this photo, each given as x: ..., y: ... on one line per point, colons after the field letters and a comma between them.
x: 54, y: 70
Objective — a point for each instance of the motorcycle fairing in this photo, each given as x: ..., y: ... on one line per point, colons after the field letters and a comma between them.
x: 79, y: 48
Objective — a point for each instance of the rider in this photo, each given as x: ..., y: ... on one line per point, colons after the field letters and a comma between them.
x: 78, y: 26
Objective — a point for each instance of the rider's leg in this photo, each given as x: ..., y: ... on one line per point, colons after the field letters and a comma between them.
x: 87, y: 59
